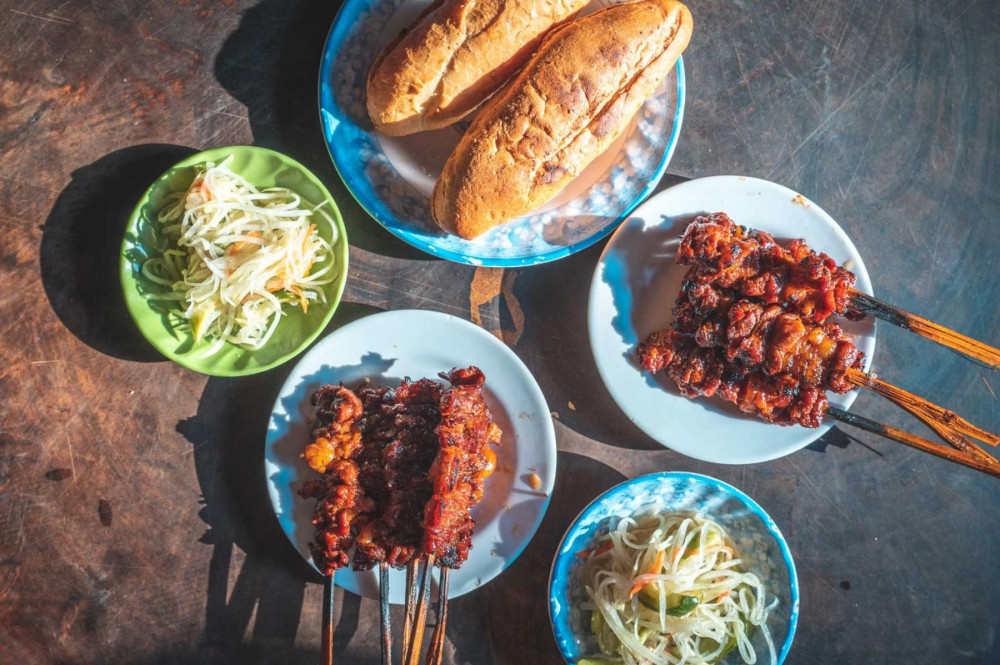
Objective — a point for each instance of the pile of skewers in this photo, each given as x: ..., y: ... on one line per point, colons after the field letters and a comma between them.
x: 401, y: 469
x: 752, y: 327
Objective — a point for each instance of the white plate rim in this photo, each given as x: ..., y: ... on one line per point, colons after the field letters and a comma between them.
x: 621, y: 399
x: 392, y: 318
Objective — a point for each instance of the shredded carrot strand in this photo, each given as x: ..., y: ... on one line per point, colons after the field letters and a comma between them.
x: 657, y: 567
x: 658, y: 562
x: 302, y: 298
x: 238, y: 246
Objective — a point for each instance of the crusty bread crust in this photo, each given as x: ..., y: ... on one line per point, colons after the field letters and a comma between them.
x: 575, y: 96
x: 457, y: 54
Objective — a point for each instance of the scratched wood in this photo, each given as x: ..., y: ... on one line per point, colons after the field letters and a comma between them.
x: 133, y: 521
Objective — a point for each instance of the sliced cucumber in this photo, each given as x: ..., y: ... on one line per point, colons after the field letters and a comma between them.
x: 649, y: 596
x: 687, y: 604
x: 713, y: 540
x: 607, y: 641
x: 708, y: 645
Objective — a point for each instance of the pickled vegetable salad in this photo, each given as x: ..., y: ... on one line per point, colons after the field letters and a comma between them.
x: 668, y: 589
x: 237, y: 255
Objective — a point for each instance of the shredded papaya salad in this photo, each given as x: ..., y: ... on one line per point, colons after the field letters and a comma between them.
x: 669, y: 590
x: 237, y: 254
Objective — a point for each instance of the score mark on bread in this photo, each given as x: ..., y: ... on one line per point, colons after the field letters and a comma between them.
x: 457, y: 54
x: 573, y: 98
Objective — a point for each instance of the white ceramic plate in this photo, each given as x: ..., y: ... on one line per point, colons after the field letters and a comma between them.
x: 387, y: 347
x: 635, y: 286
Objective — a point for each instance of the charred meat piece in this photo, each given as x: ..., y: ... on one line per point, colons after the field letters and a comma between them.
x: 704, y: 372
x: 401, y: 469
x: 752, y: 264
x: 336, y: 436
x: 341, y: 502
x: 749, y: 324
x: 756, y: 335
x: 400, y: 445
x: 464, y: 459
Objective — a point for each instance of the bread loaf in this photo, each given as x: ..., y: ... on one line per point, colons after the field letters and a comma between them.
x: 457, y: 54
x: 576, y: 95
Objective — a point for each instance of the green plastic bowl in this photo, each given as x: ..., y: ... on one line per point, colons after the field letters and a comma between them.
x: 158, y: 319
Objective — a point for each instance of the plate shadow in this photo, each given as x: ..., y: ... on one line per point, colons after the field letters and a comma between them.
x: 520, y: 595
x: 228, y: 434
x: 270, y: 64
x: 81, y: 247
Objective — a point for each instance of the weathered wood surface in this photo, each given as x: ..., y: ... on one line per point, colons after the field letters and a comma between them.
x: 159, y: 544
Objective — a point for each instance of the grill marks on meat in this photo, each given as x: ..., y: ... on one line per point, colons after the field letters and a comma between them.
x: 704, y: 372
x: 399, y: 430
x: 463, y: 461
x: 336, y: 436
x: 765, y: 337
x: 752, y: 264
x: 402, y: 468
x: 340, y: 499
x: 749, y: 324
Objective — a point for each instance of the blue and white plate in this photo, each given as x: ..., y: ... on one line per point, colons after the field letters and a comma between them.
x: 759, y: 542
x: 392, y: 178
x: 387, y: 347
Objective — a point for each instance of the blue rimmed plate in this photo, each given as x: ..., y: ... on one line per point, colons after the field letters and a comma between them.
x: 759, y: 542
x: 392, y: 178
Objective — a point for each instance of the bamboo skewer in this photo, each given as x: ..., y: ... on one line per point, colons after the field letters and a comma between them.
x: 904, y: 399
x: 914, y: 441
x: 385, y: 616
x: 925, y: 328
x: 959, y: 442
x: 436, y: 650
x: 411, y: 603
x: 326, y: 637
x: 412, y: 656
x: 945, y: 424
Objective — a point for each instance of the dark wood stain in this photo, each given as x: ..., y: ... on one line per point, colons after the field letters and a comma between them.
x: 104, y: 512
x: 61, y: 473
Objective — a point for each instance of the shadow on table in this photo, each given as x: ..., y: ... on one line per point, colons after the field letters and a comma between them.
x: 557, y: 347
x: 271, y: 65
x: 837, y: 438
x: 81, y: 247
x: 243, y: 654
x: 228, y: 435
x: 512, y: 610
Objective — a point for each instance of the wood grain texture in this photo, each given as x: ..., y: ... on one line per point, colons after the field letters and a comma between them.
x: 887, y: 114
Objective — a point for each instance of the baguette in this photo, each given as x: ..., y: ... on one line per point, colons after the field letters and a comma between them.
x: 575, y: 96
x: 457, y: 54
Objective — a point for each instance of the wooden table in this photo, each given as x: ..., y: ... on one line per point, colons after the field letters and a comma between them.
x: 160, y: 545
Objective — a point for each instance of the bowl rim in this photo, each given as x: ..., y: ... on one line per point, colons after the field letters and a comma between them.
x: 349, y: 13
x: 341, y: 254
x: 793, y: 579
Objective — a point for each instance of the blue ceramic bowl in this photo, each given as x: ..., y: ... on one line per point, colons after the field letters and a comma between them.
x: 392, y: 178
x: 757, y: 538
